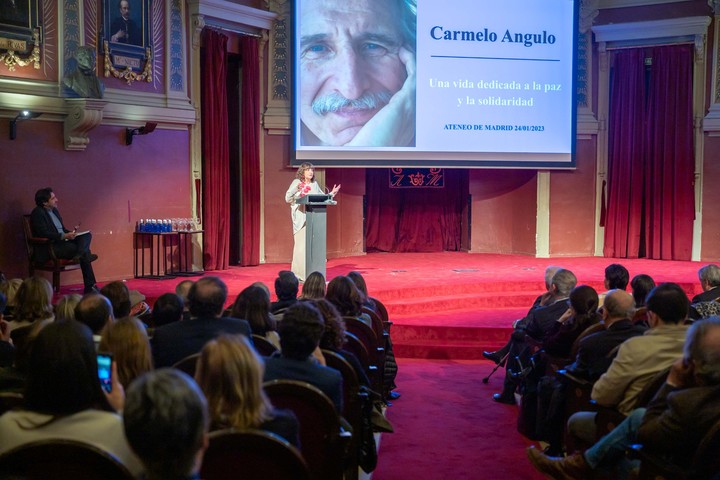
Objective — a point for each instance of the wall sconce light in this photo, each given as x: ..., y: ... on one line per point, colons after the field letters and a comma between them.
x: 24, y: 115
x: 131, y: 132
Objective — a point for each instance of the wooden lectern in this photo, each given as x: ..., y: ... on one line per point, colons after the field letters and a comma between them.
x: 315, y: 231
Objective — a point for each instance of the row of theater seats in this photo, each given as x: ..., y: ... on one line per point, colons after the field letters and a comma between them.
x: 329, y: 451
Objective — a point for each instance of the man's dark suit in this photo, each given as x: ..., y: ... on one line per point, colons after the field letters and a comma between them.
x: 707, y: 296
x: 175, y: 341
x: 592, y: 358
x: 326, y: 379
x: 42, y: 226
x: 541, y: 319
x: 677, y: 420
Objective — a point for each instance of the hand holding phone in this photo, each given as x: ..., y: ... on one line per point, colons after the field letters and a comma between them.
x: 104, y: 361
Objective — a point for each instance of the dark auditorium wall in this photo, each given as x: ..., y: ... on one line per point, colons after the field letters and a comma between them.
x: 107, y: 188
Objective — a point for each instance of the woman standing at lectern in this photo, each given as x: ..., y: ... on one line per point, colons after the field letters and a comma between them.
x: 303, y: 184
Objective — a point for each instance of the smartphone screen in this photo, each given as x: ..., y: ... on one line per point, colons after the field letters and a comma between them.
x: 104, y: 361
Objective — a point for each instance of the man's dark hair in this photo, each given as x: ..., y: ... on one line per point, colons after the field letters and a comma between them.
x: 669, y: 302
x: 94, y: 310
x: 165, y: 419
x: 300, y: 330
x: 62, y: 372
x: 617, y: 276
x: 641, y: 286
x: 119, y: 295
x: 207, y: 296
x: 168, y: 308
x: 43, y: 195
x: 286, y: 285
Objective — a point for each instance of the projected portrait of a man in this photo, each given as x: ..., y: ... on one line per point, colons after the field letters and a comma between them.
x: 357, y: 72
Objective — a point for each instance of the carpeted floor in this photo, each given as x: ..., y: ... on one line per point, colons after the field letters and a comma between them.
x: 448, y: 427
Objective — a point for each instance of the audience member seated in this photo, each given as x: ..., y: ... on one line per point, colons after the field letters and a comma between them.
x: 253, y: 305
x: 300, y: 331
x: 675, y: 422
x: 286, y: 290
x: 616, y: 278
x: 7, y: 350
x: 639, y: 359
x: 95, y: 311
x: 230, y: 373
x: 138, y: 306
x: 344, y: 294
x: 171, y: 343
x: 704, y: 304
x: 33, y: 303
x: 127, y: 341
x: 536, y: 324
x: 181, y: 290
x: 359, y: 282
x: 314, y: 287
x: 65, y: 307
x: 334, y: 338
x: 64, y: 399
x: 581, y: 314
x: 168, y: 308
x: 9, y: 288
x: 641, y: 285
x: 119, y: 295
x: 594, y: 351
x: 166, y: 424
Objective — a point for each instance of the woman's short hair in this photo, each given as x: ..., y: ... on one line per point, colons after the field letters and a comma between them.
x: 300, y: 174
x: 119, y: 295
x: 34, y: 300
x: 230, y: 373
x: 62, y: 373
x: 128, y: 342
x: 584, y: 299
x: 641, y: 286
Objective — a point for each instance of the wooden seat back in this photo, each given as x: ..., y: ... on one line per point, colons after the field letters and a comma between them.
x: 188, y: 364
x: 61, y: 460
x: 252, y: 455
x: 263, y: 346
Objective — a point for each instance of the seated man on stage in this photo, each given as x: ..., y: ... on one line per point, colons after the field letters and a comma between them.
x: 46, y: 222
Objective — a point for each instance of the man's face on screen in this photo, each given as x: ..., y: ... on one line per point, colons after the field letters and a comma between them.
x: 349, y: 65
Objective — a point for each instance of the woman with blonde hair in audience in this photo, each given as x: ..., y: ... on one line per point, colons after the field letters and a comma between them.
x: 230, y: 374
x: 314, y: 287
x: 33, y: 301
x: 253, y: 305
x: 65, y: 308
x: 127, y: 340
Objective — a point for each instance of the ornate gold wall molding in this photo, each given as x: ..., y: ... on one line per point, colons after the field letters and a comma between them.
x: 12, y: 60
x: 128, y: 75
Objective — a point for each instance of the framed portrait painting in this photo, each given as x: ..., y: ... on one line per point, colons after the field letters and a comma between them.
x: 126, y: 35
x: 20, y: 31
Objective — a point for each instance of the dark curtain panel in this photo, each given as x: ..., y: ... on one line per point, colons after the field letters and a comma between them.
x: 216, y: 183
x: 250, y: 151
x: 625, y: 155
x: 414, y: 219
x: 670, y: 206
x: 650, y: 197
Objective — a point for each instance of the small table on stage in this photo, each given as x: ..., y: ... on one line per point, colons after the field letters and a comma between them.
x: 158, y: 243
x: 185, y: 254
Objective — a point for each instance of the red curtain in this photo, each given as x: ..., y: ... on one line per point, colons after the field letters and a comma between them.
x: 216, y: 163
x: 414, y: 219
x: 670, y: 206
x: 650, y: 208
x: 625, y: 155
x: 250, y: 114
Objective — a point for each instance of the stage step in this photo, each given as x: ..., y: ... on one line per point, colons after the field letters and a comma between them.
x: 460, y: 334
x: 461, y: 302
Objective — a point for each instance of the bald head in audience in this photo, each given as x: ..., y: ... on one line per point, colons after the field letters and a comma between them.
x: 619, y: 305
x: 95, y: 311
x: 207, y: 297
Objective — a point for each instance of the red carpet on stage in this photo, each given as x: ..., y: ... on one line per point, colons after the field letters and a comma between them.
x: 448, y: 305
